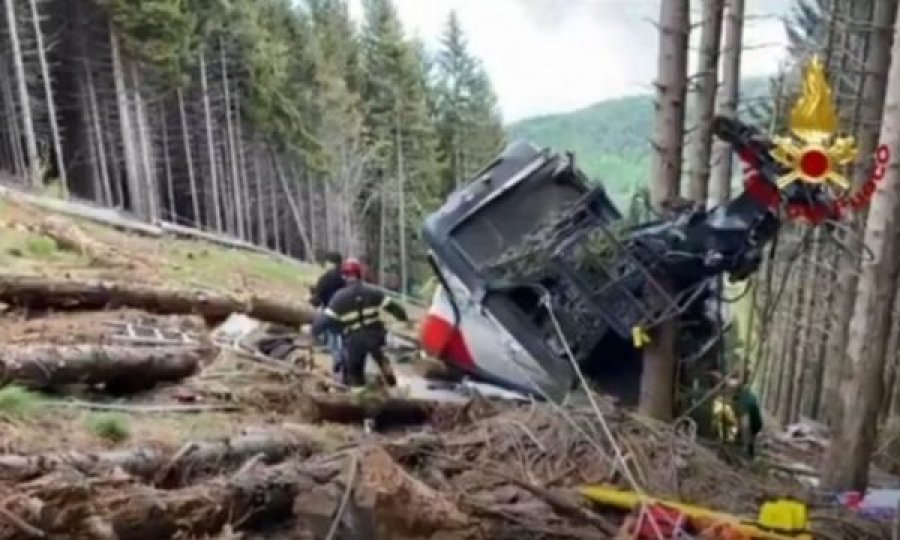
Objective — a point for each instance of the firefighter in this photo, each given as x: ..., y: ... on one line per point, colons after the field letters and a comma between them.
x: 738, y: 415
x: 355, y: 311
x: 320, y: 296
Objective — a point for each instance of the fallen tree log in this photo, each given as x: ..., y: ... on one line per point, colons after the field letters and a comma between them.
x: 165, y: 465
x: 118, y: 368
x: 39, y: 292
x: 383, y: 412
x: 308, y: 496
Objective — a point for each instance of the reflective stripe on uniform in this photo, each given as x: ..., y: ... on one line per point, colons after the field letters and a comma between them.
x: 357, y: 319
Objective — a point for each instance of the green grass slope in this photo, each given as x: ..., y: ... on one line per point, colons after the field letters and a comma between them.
x: 610, y: 139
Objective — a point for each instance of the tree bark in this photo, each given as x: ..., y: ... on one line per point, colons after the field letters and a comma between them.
x: 401, y: 207
x: 48, y: 96
x: 846, y: 464
x: 726, y: 103
x: 38, y: 292
x: 148, y: 186
x: 872, y: 103
x: 13, y: 122
x: 117, y: 367
x: 131, y: 167
x: 98, y: 130
x: 707, y: 85
x: 386, y: 413
x: 311, y: 492
x: 239, y: 201
x: 242, y: 168
x: 262, y: 235
x: 34, y: 164
x: 657, y: 384
x: 657, y: 392
x: 167, y: 163
x: 185, y: 134
x: 295, y: 210
x: 210, y: 147
x: 167, y: 466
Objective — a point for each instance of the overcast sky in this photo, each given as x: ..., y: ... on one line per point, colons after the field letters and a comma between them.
x: 547, y: 56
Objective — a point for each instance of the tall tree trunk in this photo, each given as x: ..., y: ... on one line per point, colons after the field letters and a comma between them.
x: 15, y: 135
x: 789, y: 370
x: 167, y: 162
x: 401, y: 205
x: 97, y: 128
x: 92, y: 145
x: 132, y: 175
x: 809, y: 333
x: 114, y: 159
x: 295, y: 209
x: 210, y: 147
x: 705, y: 102
x: 48, y: 95
x: 263, y: 238
x: 846, y: 464
x: 891, y: 357
x: 148, y: 186
x: 242, y: 168
x: 382, y: 235
x: 878, y: 60
x: 188, y: 156
x: 235, y: 177
x: 273, y: 197
x: 798, y: 359
x: 657, y: 378
x: 726, y: 104
x: 309, y: 206
x: 34, y: 164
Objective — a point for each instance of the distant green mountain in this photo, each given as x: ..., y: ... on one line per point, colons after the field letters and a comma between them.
x: 610, y: 139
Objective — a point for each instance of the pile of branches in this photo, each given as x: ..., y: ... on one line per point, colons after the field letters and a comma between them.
x: 510, y: 475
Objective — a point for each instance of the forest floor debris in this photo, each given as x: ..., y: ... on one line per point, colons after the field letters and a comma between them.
x: 256, y: 445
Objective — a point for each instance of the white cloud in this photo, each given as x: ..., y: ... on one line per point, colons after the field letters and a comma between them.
x: 547, y: 56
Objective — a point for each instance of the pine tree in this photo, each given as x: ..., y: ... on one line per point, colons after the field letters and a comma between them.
x: 657, y: 391
x: 401, y: 137
x: 468, y: 121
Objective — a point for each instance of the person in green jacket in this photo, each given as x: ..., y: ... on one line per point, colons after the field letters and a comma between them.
x: 747, y: 412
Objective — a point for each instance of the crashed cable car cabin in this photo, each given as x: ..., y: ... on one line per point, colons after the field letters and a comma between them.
x: 537, y: 267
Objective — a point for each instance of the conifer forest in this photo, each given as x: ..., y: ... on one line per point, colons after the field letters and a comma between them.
x: 276, y: 122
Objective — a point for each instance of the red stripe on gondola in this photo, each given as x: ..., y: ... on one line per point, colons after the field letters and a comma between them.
x: 444, y: 341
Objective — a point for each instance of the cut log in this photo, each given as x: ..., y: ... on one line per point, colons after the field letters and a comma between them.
x: 343, y: 408
x: 165, y: 465
x: 117, y: 368
x: 38, y: 292
x: 384, y: 497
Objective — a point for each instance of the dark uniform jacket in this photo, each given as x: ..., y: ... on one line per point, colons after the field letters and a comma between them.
x: 356, y: 307
x: 330, y: 282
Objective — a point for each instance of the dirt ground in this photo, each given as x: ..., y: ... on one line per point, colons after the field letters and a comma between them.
x: 248, y: 446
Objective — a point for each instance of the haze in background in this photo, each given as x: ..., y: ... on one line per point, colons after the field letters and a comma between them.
x: 550, y: 56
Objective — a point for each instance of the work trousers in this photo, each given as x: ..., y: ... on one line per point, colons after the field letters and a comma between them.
x: 358, y: 345
x: 333, y: 340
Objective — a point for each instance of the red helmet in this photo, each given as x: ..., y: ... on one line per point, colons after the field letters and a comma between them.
x: 351, y: 268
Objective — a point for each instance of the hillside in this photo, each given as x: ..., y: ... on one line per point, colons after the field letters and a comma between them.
x: 610, y: 139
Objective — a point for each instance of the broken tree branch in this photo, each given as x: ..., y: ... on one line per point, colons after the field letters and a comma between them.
x: 164, y: 464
